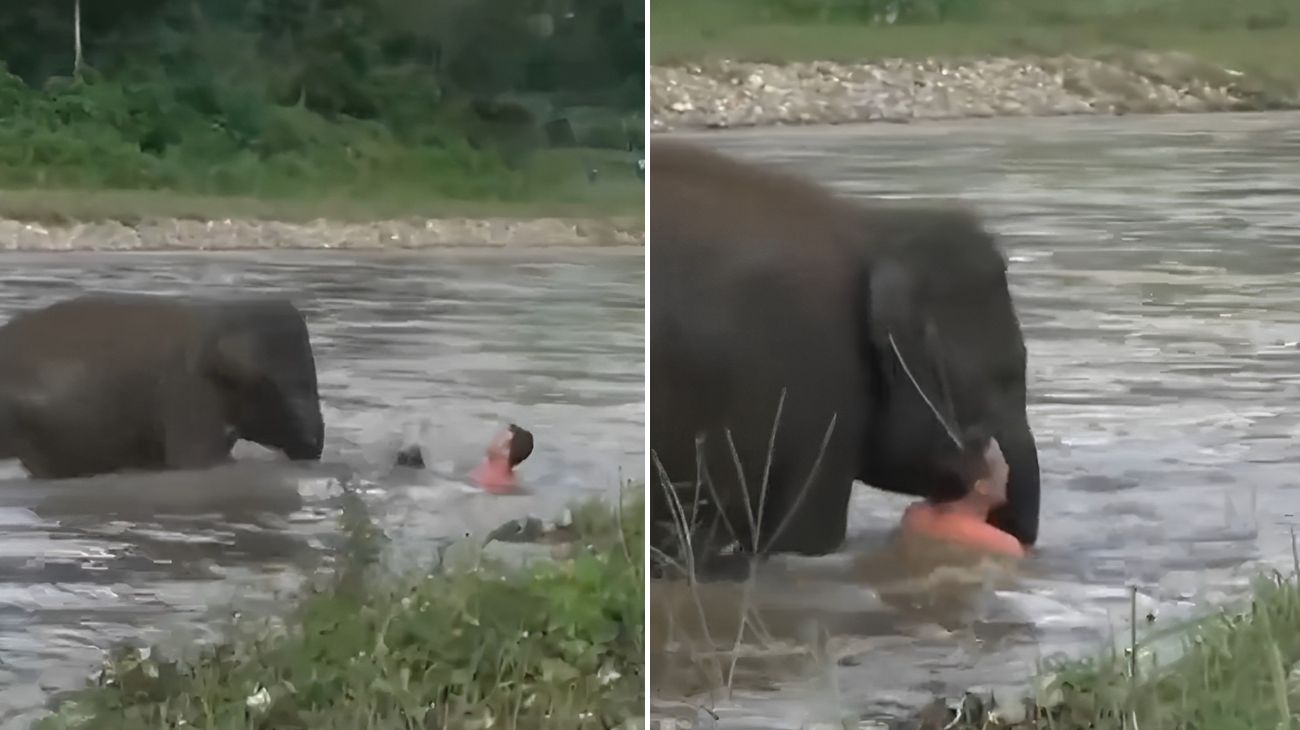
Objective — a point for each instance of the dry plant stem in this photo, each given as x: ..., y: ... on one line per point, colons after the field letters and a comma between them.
x: 686, y: 542
x: 1295, y: 555
x: 702, y: 476
x: 1133, y: 637
x: 699, y: 470
x: 807, y: 485
x: 767, y: 467
x: 679, y: 514
x: 622, y: 529
x: 755, y: 523
x: 627, y: 554
x: 959, y: 715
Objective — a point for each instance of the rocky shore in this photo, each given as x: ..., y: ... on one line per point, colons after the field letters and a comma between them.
x: 727, y: 94
x: 232, y: 234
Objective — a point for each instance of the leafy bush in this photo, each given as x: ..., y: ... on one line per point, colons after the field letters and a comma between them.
x: 278, y: 97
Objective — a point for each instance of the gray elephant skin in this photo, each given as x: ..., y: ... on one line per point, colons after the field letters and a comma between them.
x: 107, y: 383
x: 768, y: 291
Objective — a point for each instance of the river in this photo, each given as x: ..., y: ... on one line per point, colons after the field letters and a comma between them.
x: 442, y: 348
x: 1154, y: 263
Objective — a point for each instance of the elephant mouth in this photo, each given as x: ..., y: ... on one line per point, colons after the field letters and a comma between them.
x: 306, y: 451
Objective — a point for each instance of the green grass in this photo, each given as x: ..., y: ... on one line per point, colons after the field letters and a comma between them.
x: 618, y: 193
x: 554, y: 643
x: 1243, y: 35
x: 1230, y: 671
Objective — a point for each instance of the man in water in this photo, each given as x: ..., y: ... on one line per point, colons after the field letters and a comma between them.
x: 965, y: 520
x: 495, y: 474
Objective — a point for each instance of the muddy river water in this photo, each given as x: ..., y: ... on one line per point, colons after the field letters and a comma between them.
x: 439, y: 348
x: 1155, y: 264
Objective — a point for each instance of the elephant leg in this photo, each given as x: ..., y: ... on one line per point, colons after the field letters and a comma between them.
x: 807, y: 512
x: 31, y: 442
x: 8, y: 447
x: 817, y: 524
x: 195, y: 434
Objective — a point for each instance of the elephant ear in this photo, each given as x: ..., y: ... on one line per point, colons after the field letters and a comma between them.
x: 893, y: 301
x: 232, y: 357
x: 908, y: 341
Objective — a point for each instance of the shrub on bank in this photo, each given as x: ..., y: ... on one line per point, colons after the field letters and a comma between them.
x: 103, y: 135
x: 554, y: 643
x: 1230, y: 671
x: 351, y: 97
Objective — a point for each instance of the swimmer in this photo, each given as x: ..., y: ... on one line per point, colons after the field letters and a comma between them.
x: 965, y: 520
x: 496, y: 473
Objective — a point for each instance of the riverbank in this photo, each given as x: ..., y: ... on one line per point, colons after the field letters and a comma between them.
x: 608, y: 213
x: 729, y: 94
x: 181, y: 234
x: 480, y: 639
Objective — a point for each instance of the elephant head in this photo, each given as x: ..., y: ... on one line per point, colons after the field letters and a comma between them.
x: 947, y: 359
x: 260, y: 358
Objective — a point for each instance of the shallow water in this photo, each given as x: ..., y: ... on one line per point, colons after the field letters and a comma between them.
x: 442, y: 348
x: 1154, y: 264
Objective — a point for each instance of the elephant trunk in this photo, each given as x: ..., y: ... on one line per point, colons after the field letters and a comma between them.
x: 310, y: 442
x: 1019, y: 515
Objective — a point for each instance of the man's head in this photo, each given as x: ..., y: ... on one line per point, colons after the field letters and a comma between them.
x: 985, y: 470
x: 521, y: 444
x: 511, y: 446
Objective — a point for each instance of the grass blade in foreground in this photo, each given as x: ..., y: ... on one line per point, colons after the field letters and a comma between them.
x: 1231, y: 671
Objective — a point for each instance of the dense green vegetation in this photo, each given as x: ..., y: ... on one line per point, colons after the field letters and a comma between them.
x: 305, y: 98
x: 556, y: 642
x: 1261, y: 37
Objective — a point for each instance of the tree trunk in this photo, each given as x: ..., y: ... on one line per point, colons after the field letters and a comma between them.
x: 76, y: 35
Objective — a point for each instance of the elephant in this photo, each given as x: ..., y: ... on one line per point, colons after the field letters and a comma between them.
x: 103, y: 383
x: 801, y: 340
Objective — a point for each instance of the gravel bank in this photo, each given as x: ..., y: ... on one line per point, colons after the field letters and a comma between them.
x: 217, y: 235
x: 726, y: 94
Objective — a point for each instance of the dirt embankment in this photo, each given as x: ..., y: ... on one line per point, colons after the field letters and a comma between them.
x: 727, y: 94
x: 236, y: 234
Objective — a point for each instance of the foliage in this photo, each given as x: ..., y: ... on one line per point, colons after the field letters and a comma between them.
x: 555, y: 643
x: 267, y: 97
x: 1205, y: 14
x: 1230, y: 671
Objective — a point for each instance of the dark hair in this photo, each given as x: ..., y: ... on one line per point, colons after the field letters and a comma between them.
x: 962, y: 468
x: 521, y: 444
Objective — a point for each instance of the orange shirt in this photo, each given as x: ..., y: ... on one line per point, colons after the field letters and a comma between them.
x: 494, y: 477
x: 961, y: 528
